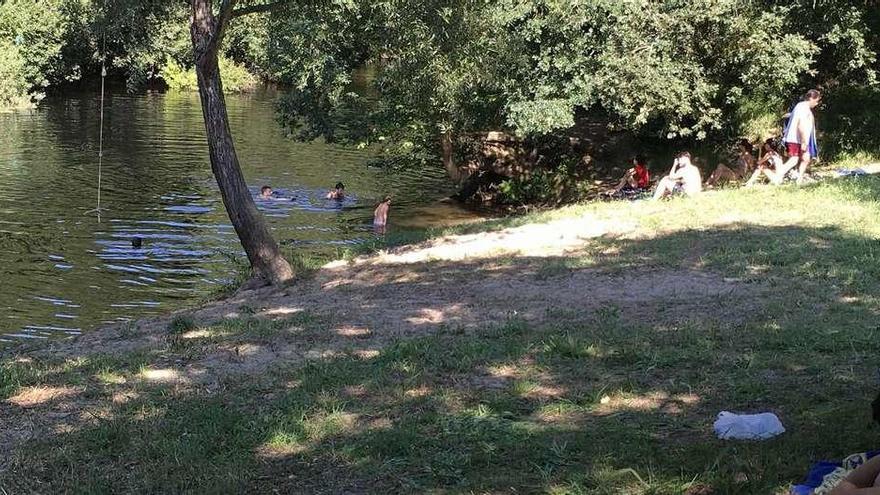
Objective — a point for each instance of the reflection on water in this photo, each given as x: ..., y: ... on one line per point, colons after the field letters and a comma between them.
x: 164, y: 238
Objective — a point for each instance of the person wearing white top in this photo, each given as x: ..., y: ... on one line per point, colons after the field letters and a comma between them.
x: 684, y: 177
x: 799, y: 133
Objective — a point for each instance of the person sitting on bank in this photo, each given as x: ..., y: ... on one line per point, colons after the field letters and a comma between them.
x: 266, y: 192
x: 380, y: 214
x: 635, y: 179
x: 337, y: 192
x: 864, y: 480
x: 683, y: 178
x: 745, y: 162
x: 768, y: 165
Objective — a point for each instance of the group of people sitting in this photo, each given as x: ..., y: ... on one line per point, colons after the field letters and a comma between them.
x: 685, y: 177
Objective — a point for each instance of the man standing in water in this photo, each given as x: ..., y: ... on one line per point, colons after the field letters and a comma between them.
x: 380, y: 215
x: 800, y: 137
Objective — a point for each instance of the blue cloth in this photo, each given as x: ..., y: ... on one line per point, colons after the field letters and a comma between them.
x: 817, y: 474
x: 850, y: 172
x: 813, y: 145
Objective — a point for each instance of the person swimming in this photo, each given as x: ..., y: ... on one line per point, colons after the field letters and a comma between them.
x: 338, y: 192
x: 266, y: 192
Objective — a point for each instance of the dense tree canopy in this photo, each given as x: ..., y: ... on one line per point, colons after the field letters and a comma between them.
x: 669, y: 68
x: 672, y: 67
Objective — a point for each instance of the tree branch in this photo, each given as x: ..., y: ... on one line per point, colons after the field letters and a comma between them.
x: 263, y: 7
x: 223, y: 17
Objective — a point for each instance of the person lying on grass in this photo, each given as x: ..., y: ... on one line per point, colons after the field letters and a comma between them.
x: 745, y: 162
x: 683, y: 178
x: 770, y: 162
x: 635, y: 179
x: 865, y: 480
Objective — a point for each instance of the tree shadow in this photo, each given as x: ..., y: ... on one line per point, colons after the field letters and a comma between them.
x: 616, y: 363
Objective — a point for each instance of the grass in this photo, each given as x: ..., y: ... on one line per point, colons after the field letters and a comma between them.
x: 620, y: 400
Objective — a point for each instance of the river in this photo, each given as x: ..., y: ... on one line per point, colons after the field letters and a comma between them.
x: 63, y: 272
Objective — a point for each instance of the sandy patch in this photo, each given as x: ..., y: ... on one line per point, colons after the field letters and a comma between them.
x: 655, y: 401
x: 38, y: 396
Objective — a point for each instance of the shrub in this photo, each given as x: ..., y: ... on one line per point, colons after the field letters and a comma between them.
x: 544, y: 186
x: 13, y: 85
x: 236, y: 78
x: 181, y: 324
x: 848, y: 121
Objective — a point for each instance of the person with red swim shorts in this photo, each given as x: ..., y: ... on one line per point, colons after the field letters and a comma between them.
x: 800, y: 136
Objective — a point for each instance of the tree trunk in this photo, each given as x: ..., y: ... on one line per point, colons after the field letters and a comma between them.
x: 262, y: 250
x: 447, y: 149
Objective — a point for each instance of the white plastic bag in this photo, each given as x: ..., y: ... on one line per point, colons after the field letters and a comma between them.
x: 730, y: 426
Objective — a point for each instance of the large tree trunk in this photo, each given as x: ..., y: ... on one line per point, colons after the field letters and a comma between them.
x: 447, y: 149
x: 261, y: 248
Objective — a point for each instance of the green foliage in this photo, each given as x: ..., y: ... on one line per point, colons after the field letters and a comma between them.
x: 179, y: 78
x: 145, y: 40
x: 543, y: 186
x: 13, y: 85
x: 434, y: 67
x: 236, y: 78
x: 44, y: 44
x: 664, y: 69
x: 51, y: 43
x: 669, y: 69
x: 759, y: 118
x: 848, y: 118
x: 845, y: 35
x: 181, y: 324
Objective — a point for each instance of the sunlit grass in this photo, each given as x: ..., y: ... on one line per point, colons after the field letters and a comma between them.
x: 614, y: 400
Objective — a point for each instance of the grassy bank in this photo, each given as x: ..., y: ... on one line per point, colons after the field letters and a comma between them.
x: 580, y: 350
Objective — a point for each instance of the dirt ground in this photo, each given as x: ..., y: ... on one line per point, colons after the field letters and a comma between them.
x: 358, y: 307
x: 463, y: 281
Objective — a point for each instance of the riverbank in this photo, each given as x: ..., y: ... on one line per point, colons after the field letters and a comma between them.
x: 579, y: 350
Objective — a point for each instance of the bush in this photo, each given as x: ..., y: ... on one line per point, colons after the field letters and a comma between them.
x: 181, y: 324
x: 758, y: 119
x: 236, y: 78
x: 544, y: 186
x: 847, y: 120
x: 179, y: 78
x: 13, y: 85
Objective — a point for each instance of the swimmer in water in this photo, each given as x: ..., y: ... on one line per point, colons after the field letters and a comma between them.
x: 380, y: 214
x: 338, y: 192
x: 137, y: 242
x: 266, y: 192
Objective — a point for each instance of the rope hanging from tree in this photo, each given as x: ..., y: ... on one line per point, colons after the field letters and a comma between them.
x: 98, y: 208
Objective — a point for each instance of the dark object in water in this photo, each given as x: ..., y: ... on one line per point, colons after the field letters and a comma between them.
x: 137, y: 242
x: 875, y: 406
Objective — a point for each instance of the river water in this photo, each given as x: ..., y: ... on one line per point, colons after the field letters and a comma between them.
x: 63, y: 272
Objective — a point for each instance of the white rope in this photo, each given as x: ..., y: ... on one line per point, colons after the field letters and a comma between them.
x: 101, y: 139
x: 101, y: 128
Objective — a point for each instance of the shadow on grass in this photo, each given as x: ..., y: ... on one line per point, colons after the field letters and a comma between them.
x: 614, y: 394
